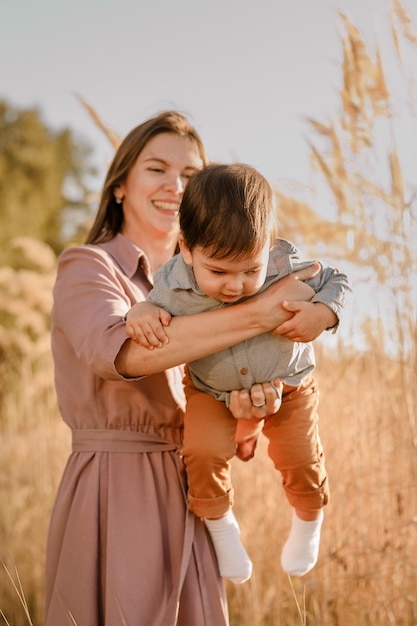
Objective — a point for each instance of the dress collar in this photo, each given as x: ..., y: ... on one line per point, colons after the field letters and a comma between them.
x: 127, y: 255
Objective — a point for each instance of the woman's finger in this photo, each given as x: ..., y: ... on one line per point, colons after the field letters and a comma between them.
x: 273, y: 395
x: 257, y: 396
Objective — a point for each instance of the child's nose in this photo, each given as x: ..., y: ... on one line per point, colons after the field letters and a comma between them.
x: 234, y: 284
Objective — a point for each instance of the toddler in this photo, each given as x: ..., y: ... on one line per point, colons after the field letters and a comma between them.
x: 229, y: 252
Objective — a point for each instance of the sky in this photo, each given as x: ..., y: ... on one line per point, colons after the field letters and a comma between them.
x: 246, y: 72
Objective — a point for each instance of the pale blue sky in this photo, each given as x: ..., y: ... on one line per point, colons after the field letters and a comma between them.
x: 246, y: 71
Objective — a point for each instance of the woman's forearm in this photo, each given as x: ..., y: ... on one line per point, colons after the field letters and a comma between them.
x: 190, y: 337
x: 195, y: 336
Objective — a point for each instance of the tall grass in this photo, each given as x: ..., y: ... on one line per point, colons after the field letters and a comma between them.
x: 31, y: 462
x: 32, y: 437
x: 366, y: 572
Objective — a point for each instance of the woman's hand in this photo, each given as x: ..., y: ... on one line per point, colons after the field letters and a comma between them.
x: 309, y: 320
x: 290, y: 289
x: 262, y: 400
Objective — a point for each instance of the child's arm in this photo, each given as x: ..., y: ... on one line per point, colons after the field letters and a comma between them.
x: 145, y: 324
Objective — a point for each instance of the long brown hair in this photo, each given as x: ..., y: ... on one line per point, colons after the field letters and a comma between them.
x: 109, y: 218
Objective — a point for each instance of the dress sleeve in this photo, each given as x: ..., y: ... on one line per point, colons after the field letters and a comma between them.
x: 91, y: 297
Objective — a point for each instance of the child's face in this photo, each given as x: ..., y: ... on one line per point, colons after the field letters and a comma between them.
x: 226, y: 279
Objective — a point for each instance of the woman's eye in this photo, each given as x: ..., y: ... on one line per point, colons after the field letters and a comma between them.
x: 156, y: 169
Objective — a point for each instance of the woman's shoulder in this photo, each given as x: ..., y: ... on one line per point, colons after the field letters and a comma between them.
x: 117, y: 250
x: 81, y: 250
x: 82, y: 254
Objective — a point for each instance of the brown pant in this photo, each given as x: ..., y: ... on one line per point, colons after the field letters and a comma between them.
x: 212, y: 436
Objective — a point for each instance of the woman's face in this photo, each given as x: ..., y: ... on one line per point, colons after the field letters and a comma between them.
x: 153, y: 189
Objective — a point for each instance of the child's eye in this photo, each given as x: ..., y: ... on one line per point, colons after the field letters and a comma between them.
x: 217, y: 272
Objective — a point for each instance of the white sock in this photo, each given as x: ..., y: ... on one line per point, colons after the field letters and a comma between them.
x: 301, y: 550
x: 232, y: 558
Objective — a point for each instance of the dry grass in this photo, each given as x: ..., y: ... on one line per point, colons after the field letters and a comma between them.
x: 366, y: 574
x: 31, y: 461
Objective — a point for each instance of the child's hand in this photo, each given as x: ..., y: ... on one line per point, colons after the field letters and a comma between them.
x: 308, y: 322
x: 145, y: 324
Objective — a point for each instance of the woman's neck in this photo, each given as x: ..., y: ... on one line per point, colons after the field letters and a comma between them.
x: 156, y: 259
x: 158, y: 252
x: 158, y: 246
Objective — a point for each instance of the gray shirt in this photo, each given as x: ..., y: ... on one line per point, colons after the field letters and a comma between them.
x: 262, y: 358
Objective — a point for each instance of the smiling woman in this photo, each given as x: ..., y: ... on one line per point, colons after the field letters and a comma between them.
x: 152, y: 192
x: 122, y: 546
x: 147, y: 177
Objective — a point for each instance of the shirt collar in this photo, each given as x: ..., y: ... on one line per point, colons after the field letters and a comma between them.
x: 184, y: 275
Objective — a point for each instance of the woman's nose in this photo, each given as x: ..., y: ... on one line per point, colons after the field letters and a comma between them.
x: 174, y: 183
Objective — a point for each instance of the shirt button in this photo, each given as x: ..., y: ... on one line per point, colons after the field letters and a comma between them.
x: 244, y: 371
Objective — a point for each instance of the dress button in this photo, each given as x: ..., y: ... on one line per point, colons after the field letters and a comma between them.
x: 244, y: 371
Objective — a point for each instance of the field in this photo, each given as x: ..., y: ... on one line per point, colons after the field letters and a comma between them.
x: 366, y: 572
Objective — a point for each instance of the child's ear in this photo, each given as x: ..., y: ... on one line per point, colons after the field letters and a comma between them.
x: 185, y: 250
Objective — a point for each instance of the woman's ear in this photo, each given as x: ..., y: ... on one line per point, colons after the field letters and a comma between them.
x: 185, y: 250
x: 118, y: 194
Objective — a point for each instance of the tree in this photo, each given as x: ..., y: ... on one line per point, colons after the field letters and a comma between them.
x: 42, y: 176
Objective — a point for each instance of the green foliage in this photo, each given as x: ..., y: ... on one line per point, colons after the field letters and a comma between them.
x: 42, y: 175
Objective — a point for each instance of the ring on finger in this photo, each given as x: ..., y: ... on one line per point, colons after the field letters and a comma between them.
x: 259, y: 406
x: 278, y: 392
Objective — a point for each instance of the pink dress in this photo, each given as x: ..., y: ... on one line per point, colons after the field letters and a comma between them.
x: 122, y: 546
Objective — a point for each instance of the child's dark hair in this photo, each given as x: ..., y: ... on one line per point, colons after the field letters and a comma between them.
x: 227, y: 210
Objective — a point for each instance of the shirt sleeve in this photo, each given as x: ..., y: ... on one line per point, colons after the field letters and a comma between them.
x: 333, y: 289
x: 172, y: 289
x: 331, y: 286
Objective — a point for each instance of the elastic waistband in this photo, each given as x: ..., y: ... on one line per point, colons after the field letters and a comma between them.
x: 97, y: 440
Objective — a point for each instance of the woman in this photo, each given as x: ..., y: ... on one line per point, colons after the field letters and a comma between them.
x: 122, y: 547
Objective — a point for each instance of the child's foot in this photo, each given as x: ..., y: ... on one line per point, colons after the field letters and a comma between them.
x: 301, y: 550
x: 232, y: 558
